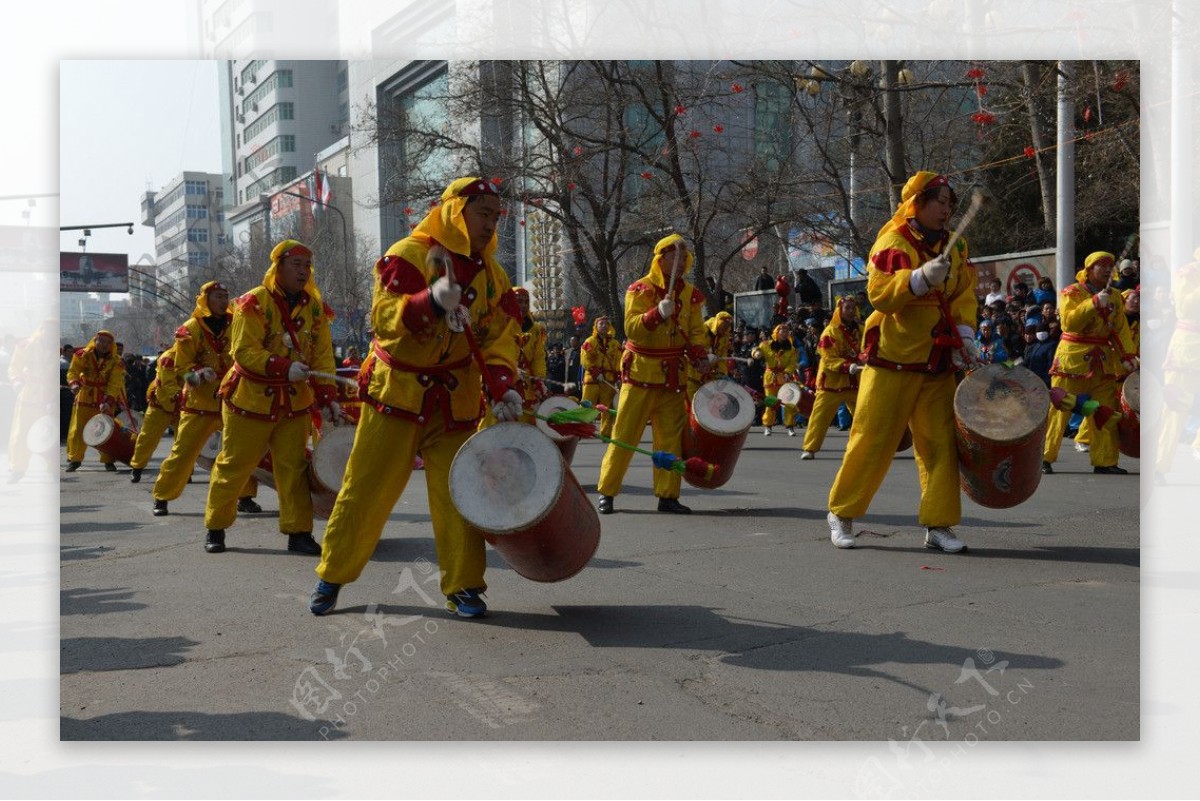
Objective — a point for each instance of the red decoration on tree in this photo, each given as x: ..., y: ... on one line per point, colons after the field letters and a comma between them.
x: 579, y: 315
x: 408, y: 209
x: 577, y: 150
x: 737, y: 88
x: 975, y: 73
x: 571, y: 186
x: 693, y: 134
x: 522, y: 223
x: 680, y: 110
x: 433, y: 204
x: 718, y: 129
x: 1030, y: 152
x: 982, y: 118
x: 496, y: 180
x: 1087, y: 113
x: 647, y: 175
x: 981, y: 89
x: 1120, y: 81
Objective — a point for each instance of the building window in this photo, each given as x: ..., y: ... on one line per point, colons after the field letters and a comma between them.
x: 280, y: 144
x: 197, y: 234
x: 198, y: 258
x: 280, y: 79
x: 197, y: 187
x: 271, y: 180
x: 772, y: 124
x: 250, y: 71
x: 277, y: 112
x: 197, y: 212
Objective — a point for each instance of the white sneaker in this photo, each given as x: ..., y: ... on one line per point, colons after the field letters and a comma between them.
x: 766, y: 431
x: 841, y: 530
x: 1081, y: 447
x: 791, y: 431
x: 943, y: 539
x: 804, y: 457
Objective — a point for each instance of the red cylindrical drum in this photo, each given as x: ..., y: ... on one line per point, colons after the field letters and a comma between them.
x: 720, y: 417
x: 510, y: 482
x: 1000, y: 426
x: 347, y: 393
x: 798, y: 395
x: 565, y: 442
x: 1129, y: 427
x: 107, y: 436
x: 328, y: 466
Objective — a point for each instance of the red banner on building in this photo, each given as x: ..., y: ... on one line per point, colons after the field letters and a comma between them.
x: 93, y: 272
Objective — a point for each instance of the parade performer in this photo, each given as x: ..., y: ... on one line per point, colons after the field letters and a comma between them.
x: 423, y: 390
x: 198, y: 361
x: 97, y: 377
x: 781, y: 360
x: 279, y: 332
x: 720, y: 343
x: 664, y: 324
x: 35, y: 401
x: 920, y: 333
x: 837, y: 375
x: 601, y: 361
x: 531, y: 352
x: 162, y: 411
x: 1095, y: 350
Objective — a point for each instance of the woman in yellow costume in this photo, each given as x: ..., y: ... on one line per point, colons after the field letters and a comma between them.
x: 195, y: 366
x: 919, y: 335
x: 600, y: 356
x: 97, y: 377
x: 424, y: 390
x: 279, y: 332
x: 665, y: 330
x: 1095, y: 350
x: 162, y: 410
x: 720, y: 344
x: 781, y: 360
x: 837, y: 375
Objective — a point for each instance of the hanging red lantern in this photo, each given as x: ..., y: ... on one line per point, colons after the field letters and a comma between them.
x: 680, y: 110
x: 408, y: 209
x: 975, y: 73
x: 1087, y: 113
x: 579, y: 315
x: 717, y: 129
x: 693, y: 134
x: 647, y: 175
x: 577, y: 150
x: 1120, y: 81
x: 981, y: 89
x: 1030, y: 152
x: 737, y: 88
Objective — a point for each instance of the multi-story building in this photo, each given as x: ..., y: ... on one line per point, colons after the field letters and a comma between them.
x: 188, y: 217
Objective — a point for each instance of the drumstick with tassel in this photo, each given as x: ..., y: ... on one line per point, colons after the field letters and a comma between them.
x: 978, y: 200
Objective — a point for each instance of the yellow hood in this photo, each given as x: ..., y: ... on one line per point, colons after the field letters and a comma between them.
x: 281, y: 251
x: 445, y: 224
x: 660, y: 273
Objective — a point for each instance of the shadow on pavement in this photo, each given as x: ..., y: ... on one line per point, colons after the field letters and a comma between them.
x: 195, y: 726
x: 77, y: 654
x: 92, y: 601
x: 71, y: 553
x: 93, y: 527
x: 1084, y: 554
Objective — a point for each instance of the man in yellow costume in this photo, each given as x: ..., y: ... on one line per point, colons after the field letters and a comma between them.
x: 719, y: 328
x: 781, y: 361
x: 601, y: 360
x: 201, y: 358
x: 837, y: 375
x: 279, y: 332
x: 531, y: 352
x: 1096, y: 349
x: 423, y: 390
x: 919, y: 335
x: 162, y: 410
x: 665, y: 329
x: 97, y: 377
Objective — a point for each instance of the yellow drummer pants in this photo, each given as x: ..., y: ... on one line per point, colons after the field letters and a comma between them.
x: 888, y: 401
x: 191, y: 434
x: 381, y: 462
x: 666, y: 411
x: 1179, y: 396
x: 601, y: 394
x: 154, y: 425
x: 789, y: 412
x: 76, y: 447
x: 243, y: 444
x: 1102, y: 448
x: 824, y: 409
x: 26, y: 413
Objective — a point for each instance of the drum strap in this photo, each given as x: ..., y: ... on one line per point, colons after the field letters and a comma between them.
x: 670, y: 357
x: 1067, y: 337
x: 261, y: 379
x: 396, y: 364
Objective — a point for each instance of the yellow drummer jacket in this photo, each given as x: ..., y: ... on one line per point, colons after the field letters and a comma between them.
x: 163, y: 391
x: 197, y: 347
x: 780, y: 356
x: 265, y: 337
x: 719, y: 343
x: 657, y: 351
x: 417, y: 363
x: 906, y: 332
x: 100, y: 380
x: 1094, y: 339
x: 600, y: 358
x: 838, y: 348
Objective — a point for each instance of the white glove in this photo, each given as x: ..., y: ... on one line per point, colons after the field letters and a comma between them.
x: 1132, y: 363
x: 855, y: 368
x: 207, y: 375
x: 712, y: 357
x: 297, y: 371
x: 192, y: 377
x: 929, y: 275
x: 1102, y: 298
x: 446, y: 293
x: 666, y: 307
x: 335, y: 412
x: 968, y: 357
x: 105, y: 409
x: 508, y: 408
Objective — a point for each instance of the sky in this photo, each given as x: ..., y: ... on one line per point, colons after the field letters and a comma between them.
x: 148, y: 122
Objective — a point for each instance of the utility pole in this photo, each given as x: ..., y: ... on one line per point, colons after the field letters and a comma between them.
x: 1065, y: 222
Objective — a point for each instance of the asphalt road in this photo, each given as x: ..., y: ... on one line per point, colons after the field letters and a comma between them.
x: 738, y: 622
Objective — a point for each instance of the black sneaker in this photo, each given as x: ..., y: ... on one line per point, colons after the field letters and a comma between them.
x: 1111, y: 470
x: 1047, y: 469
x: 215, y: 541
x: 110, y: 467
x: 303, y: 542
x: 606, y: 504
x: 673, y: 506
x: 248, y: 506
x: 160, y: 508
x: 323, y: 598
x: 136, y: 476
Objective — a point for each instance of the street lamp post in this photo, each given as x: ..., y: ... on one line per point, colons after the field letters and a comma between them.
x: 342, y: 217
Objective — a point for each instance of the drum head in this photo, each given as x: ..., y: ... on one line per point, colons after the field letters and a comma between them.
x: 123, y: 419
x: 42, y: 435
x: 789, y: 393
x: 212, y: 447
x: 723, y: 407
x: 332, y: 453
x: 1131, y: 391
x: 552, y: 404
x: 98, y: 430
x: 506, y: 478
x: 1001, y: 403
